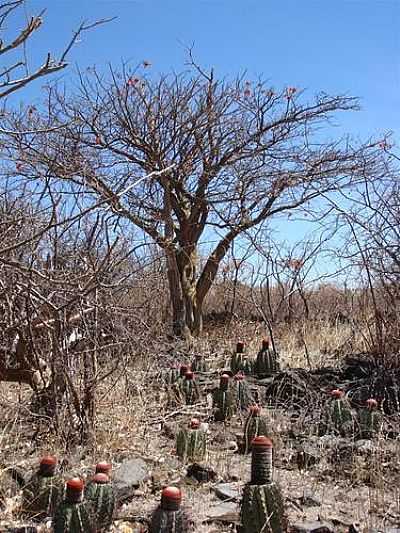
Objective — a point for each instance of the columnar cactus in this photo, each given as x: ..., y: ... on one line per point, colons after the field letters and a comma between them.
x: 262, y: 508
x: 243, y: 394
x: 340, y: 415
x: 191, y: 442
x: 74, y: 514
x: 199, y: 364
x: 224, y: 400
x: 266, y: 363
x: 188, y: 389
x: 169, y: 517
x: 239, y: 361
x: 44, y: 490
x: 254, y: 426
x: 101, y: 493
x: 369, y: 419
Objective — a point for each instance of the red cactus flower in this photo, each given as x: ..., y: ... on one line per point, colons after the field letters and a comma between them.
x: 337, y: 394
x: 194, y: 423
x: 371, y: 403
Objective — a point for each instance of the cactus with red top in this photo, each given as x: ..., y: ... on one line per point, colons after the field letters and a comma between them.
x: 188, y: 390
x: 262, y: 507
x: 243, y: 394
x: 224, y: 400
x: 254, y: 426
x: 100, y: 491
x: 44, y: 490
x: 75, y: 514
x: 239, y: 360
x: 369, y: 419
x: 266, y: 362
x: 169, y: 517
x: 191, y: 442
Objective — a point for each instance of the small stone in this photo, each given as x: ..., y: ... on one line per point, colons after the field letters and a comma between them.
x: 227, y: 491
x: 313, y: 527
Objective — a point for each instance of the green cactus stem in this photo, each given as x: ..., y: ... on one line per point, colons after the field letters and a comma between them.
x: 224, y: 401
x: 340, y: 415
x: 169, y: 517
x: 189, y: 391
x: 243, y: 394
x: 369, y: 420
x: 266, y: 363
x: 240, y: 362
x: 74, y: 514
x: 101, y: 493
x: 262, y: 507
x: 254, y: 426
x: 44, y: 490
x: 191, y: 442
x: 199, y: 364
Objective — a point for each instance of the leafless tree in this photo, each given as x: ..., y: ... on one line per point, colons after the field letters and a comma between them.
x: 16, y: 74
x: 232, y: 155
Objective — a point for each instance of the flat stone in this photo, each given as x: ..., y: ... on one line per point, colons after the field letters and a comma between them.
x: 227, y: 491
x: 224, y: 512
x: 313, y: 527
x: 128, y: 477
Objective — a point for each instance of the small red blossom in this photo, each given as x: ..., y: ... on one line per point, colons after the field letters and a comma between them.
x: 290, y: 91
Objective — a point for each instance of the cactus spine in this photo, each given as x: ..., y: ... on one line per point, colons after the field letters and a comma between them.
x: 254, y: 426
x: 262, y: 508
x: 224, y: 400
x: 101, y: 493
x: 244, y: 397
x: 369, y: 420
x: 43, y: 491
x: 266, y: 363
x: 169, y: 517
x: 191, y: 443
x: 74, y: 515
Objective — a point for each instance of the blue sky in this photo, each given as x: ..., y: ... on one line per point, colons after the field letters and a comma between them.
x: 336, y: 46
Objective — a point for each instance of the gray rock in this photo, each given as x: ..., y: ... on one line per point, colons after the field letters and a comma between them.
x: 313, y: 527
x: 227, y: 491
x: 129, y: 476
x: 224, y: 512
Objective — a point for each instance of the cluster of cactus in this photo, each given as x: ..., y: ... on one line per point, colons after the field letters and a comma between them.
x: 75, y: 514
x: 240, y: 362
x: 100, y: 492
x: 262, y: 507
x: 254, y: 426
x: 266, y: 363
x: 175, y: 373
x: 170, y: 517
x: 191, y: 442
x: 242, y: 392
x: 224, y: 400
x: 369, y: 419
x: 44, y: 491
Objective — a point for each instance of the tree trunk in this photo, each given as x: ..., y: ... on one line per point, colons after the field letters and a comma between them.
x: 179, y: 323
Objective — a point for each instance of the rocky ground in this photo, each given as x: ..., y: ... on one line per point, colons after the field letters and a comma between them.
x: 330, y: 482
